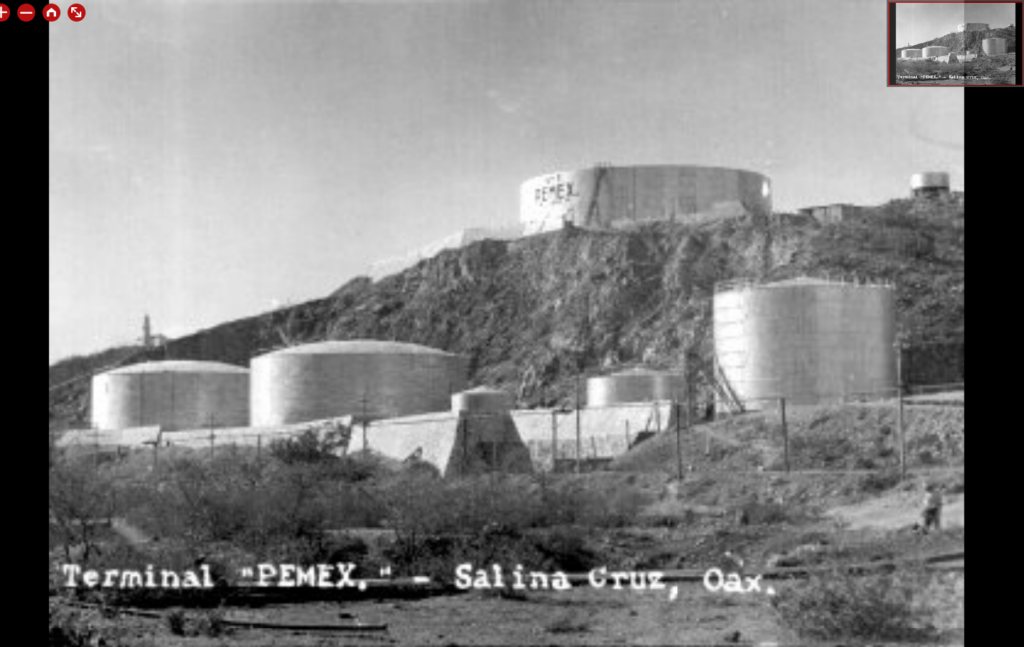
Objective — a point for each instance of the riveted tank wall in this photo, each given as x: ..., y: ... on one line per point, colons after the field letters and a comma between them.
x: 171, y: 395
x: 994, y: 46
x: 365, y: 379
x: 482, y: 400
x: 934, y: 50
x: 611, y: 197
x: 634, y: 386
x: 809, y: 342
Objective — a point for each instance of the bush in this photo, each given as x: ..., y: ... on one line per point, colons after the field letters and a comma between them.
x: 879, y: 481
x: 840, y: 606
x: 760, y: 512
x: 207, y: 623
x: 310, y: 446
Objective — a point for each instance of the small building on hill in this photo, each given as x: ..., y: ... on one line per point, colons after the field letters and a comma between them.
x: 832, y: 213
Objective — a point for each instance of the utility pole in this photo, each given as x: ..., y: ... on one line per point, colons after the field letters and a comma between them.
x: 899, y: 409
x: 785, y: 432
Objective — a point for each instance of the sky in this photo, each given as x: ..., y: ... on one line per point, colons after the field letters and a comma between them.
x: 210, y: 161
x: 919, y: 22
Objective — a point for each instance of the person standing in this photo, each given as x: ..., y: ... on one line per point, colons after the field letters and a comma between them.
x: 933, y: 508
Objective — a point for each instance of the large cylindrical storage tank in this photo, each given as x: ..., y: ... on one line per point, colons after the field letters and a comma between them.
x: 636, y: 385
x: 173, y: 395
x: 482, y: 400
x: 807, y: 340
x: 366, y: 379
x: 994, y: 46
x: 911, y: 53
x: 935, y: 50
x: 617, y: 196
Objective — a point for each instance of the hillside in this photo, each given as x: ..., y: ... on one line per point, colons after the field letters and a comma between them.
x: 531, y: 313
x: 960, y: 42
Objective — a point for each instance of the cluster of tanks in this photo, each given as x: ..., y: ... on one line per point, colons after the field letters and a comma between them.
x: 990, y: 46
x: 808, y: 340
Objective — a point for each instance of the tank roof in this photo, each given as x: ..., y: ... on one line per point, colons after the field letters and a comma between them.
x: 484, y: 390
x: 177, y: 366
x: 639, y: 370
x: 358, y: 347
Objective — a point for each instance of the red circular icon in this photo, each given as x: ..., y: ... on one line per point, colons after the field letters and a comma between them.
x: 51, y: 12
x: 26, y: 12
x: 5, y: 12
x: 76, y: 12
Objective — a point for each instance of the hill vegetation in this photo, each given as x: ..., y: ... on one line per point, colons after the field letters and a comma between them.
x: 532, y: 313
x: 960, y: 42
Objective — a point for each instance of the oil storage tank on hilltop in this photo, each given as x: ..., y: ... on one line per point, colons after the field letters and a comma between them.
x: 482, y: 400
x: 994, y: 46
x: 604, y: 197
x: 636, y: 385
x: 808, y: 340
x: 911, y: 53
x: 173, y: 395
x: 929, y: 184
x: 366, y: 379
x: 935, y: 50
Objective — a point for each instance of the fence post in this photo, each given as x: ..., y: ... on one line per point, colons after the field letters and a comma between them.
x: 259, y: 447
x: 156, y: 450
x: 627, y: 435
x: 554, y: 439
x: 785, y: 433
x: 679, y: 439
x: 212, y: 442
x: 579, y: 439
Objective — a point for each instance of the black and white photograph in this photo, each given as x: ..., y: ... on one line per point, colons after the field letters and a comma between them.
x: 955, y: 43
x: 506, y: 322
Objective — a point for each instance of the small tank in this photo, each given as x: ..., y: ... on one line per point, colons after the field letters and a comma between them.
x: 911, y: 53
x: 482, y: 400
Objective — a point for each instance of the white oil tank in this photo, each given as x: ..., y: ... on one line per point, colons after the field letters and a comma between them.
x: 366, y: 379
x: 173, y: 395
x: 994, y: 46
x: 935, y: 50
x: 808, y: 340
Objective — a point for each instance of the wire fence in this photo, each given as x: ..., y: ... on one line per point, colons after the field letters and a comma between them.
x: 579, y: 439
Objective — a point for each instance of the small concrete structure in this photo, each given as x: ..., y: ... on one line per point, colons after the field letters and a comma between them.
x: 832, y: 213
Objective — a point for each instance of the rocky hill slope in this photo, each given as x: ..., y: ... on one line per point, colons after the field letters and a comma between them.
x: 532, y: 313
x: 960, y: 42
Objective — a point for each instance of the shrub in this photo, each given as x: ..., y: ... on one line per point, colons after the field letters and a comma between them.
x: 764, y: 512
x: 207, y: 623
x: 841, y: 606
x: 565, y: 550
x: 879, y: 481
x: 309, y: 447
